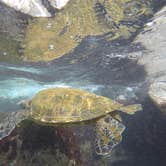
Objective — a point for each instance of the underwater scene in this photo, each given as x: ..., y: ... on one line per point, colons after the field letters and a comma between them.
x: 82, y: 82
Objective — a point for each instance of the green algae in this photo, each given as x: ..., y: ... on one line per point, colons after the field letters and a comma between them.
x: 9, y: 49
x: 50, y: 38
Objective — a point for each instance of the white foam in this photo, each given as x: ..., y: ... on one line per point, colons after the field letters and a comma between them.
x: 25, y: 88
x: 25, y: 69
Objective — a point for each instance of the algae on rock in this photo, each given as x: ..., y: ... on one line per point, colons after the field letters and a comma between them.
x: 51, y: 38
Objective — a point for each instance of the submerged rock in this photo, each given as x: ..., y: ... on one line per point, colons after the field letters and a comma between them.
x: 35, y: 8
x: 46, y: 146
x: 153, y: 58
x: 79, y: 19
x: 32, y: 7
x: 157, y: 93
x: 12, y: 30
x: 59, y: 4
x: 152, y: 38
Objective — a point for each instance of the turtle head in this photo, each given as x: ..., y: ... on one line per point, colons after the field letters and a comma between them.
x: 25, y: 104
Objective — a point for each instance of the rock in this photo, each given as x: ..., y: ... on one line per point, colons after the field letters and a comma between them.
x: 153, y: 58
x: 32, y: 7
x: 35, y: 8
x: 153, y: 40
x: 157, y: 93
x: 33, y: 144
x: 110, y: 20
x: 59, y: 4
x: 8, y: 121
x: 12, y: 30
x: 12, y: 23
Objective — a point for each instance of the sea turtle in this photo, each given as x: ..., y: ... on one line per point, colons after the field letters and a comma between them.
x: 58, y: 106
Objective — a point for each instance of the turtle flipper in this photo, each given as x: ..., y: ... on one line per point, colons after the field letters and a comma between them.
x: 108, y: 134
x: 131, y: 109
x: 9, y: 120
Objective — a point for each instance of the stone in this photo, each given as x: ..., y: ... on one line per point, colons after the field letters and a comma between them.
x: 59, y: 4
x: 35, y: 8
x: 32, y: 7
x: 152, y: 38
x: 152, y: 57
x: 79, y: 20
x: 12, y: 30
x: 157, y: 93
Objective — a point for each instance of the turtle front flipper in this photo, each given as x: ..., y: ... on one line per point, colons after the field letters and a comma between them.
x: 108, y: 134
x: 9, y: 120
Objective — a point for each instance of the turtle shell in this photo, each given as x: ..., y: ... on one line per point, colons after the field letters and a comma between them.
x: 63, y: 105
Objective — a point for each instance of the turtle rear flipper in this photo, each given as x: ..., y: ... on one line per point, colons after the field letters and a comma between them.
x: 108, y: 134
x: 131, y: 109
x: 9, y: 120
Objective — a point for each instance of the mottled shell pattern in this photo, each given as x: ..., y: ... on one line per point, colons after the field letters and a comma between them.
x: 62, y: 105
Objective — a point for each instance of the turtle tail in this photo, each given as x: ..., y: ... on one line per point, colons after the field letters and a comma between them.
x: 131, y: 109
x: 9, y: 120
